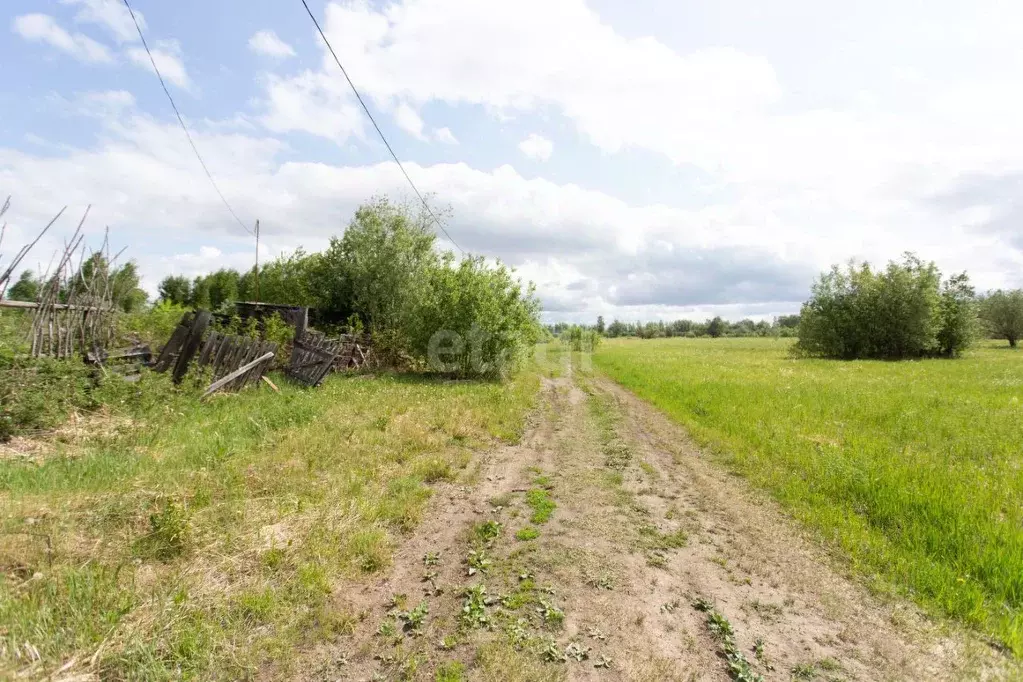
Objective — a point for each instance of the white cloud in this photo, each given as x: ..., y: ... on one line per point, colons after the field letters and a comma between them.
x: 315, y: 103
x: 167, y: 55
x: 111, y: 15
x: 793, y: 150
x: 267, y: 43
x: 409, y: 120
x: 445, y: 136
x: 536, y: 147
x: 43, y: 28
x: 587, y: 250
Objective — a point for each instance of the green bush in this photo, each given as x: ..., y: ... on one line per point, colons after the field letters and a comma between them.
x: 153, y: 325
x: 423, y: 308
x: 471, y: 319
x: 1002, y: 313
x: 581, y: 339
x: 38, y: 394
x: 904, y: 311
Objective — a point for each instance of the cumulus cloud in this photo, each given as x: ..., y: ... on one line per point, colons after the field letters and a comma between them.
x: 408, y: 119
x: 167, y: 55
x: 43, y: 28
x: 267, y: 43
x: 145, y: 184
x: 112, y: 15
x: 536, y: 147
x: 860, y: 140
x: 315, y: 103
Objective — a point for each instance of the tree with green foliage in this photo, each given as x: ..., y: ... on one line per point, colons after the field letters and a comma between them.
x: 287, y: 280
x: 903, y: 311
x: 958, y: 324
x: 472, y: 319
x: 175, y: 290
x: 1002, y: 313
x: 218, y: 288
x: 126, y: 294
x: 716, y: 328
x: 600, y: 324
x: 26, y: 288
x: 377, y: 268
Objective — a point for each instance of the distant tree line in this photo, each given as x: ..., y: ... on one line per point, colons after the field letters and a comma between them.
x: 783, y: 326
x: 907, y: 310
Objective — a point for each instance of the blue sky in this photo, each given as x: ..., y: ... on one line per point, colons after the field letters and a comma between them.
x: 646, y: 160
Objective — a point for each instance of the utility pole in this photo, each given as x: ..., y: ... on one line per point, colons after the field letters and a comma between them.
x: 257, y: 261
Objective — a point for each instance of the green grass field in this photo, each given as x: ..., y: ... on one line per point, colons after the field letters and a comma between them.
x: 179, y: 539
x: 913, y: 469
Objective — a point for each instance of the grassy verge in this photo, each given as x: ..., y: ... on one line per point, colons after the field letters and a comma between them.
x: 913, y: 469
x: 203, y: 540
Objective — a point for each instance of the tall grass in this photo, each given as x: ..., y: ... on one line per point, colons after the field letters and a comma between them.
x: 914, y: 469
x: 205, y: 541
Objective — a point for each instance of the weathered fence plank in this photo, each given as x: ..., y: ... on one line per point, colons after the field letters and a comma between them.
x: 239, y: 375
x: 310, y: 363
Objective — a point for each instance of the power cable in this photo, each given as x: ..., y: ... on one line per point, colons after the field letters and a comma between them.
x: 181, y: 120
x: 374, y: 122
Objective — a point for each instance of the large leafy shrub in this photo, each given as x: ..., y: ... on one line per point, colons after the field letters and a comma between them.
x: 903, y: 311
x: 1002, y: 313
x: 472, y: 319
x: 424, y: 307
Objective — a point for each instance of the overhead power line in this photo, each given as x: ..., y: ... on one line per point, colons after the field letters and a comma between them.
x: 181, y: 120
x: 374, y: 122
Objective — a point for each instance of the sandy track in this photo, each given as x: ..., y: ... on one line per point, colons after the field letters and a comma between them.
x: 609, y: 560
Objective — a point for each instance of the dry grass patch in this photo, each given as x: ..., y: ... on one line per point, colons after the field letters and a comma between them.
x: 208, y: 544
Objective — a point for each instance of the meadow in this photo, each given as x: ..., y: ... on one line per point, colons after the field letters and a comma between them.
x: 168, y: 538
x: 911, y: 471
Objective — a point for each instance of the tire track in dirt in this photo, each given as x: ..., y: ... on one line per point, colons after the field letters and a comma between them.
x: 643, y: 527
x: 451, y: 512
x: 754, y: 564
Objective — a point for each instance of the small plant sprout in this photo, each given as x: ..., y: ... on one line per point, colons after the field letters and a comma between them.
x: 577, y: 652
x: 552, y: 653
x: 478, y: 561
x: 739, y: 667
x: 415, y: 618
x: 431, y: 558
x: 487, y: 532
x: 550, y: 614
x: 474, y: 608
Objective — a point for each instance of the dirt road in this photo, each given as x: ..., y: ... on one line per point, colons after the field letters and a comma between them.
x: 606, y: 547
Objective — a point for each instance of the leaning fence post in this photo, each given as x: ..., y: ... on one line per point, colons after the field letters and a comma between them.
x: 191, y: 344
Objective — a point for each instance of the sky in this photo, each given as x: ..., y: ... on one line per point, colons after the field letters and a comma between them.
x: 655, y: 159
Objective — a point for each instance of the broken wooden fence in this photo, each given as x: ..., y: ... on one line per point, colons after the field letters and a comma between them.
x: 236, y: 361
x: 311, y: 361
x: 353, y: 351
x: 228, y: 355
x: 183, y: 344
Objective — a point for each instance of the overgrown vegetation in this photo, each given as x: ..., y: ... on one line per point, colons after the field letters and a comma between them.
x: 203, y: 541
x: 424, y: 308
x: 912, y: 469
x: 580, y: 339
x: 903, y: 311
